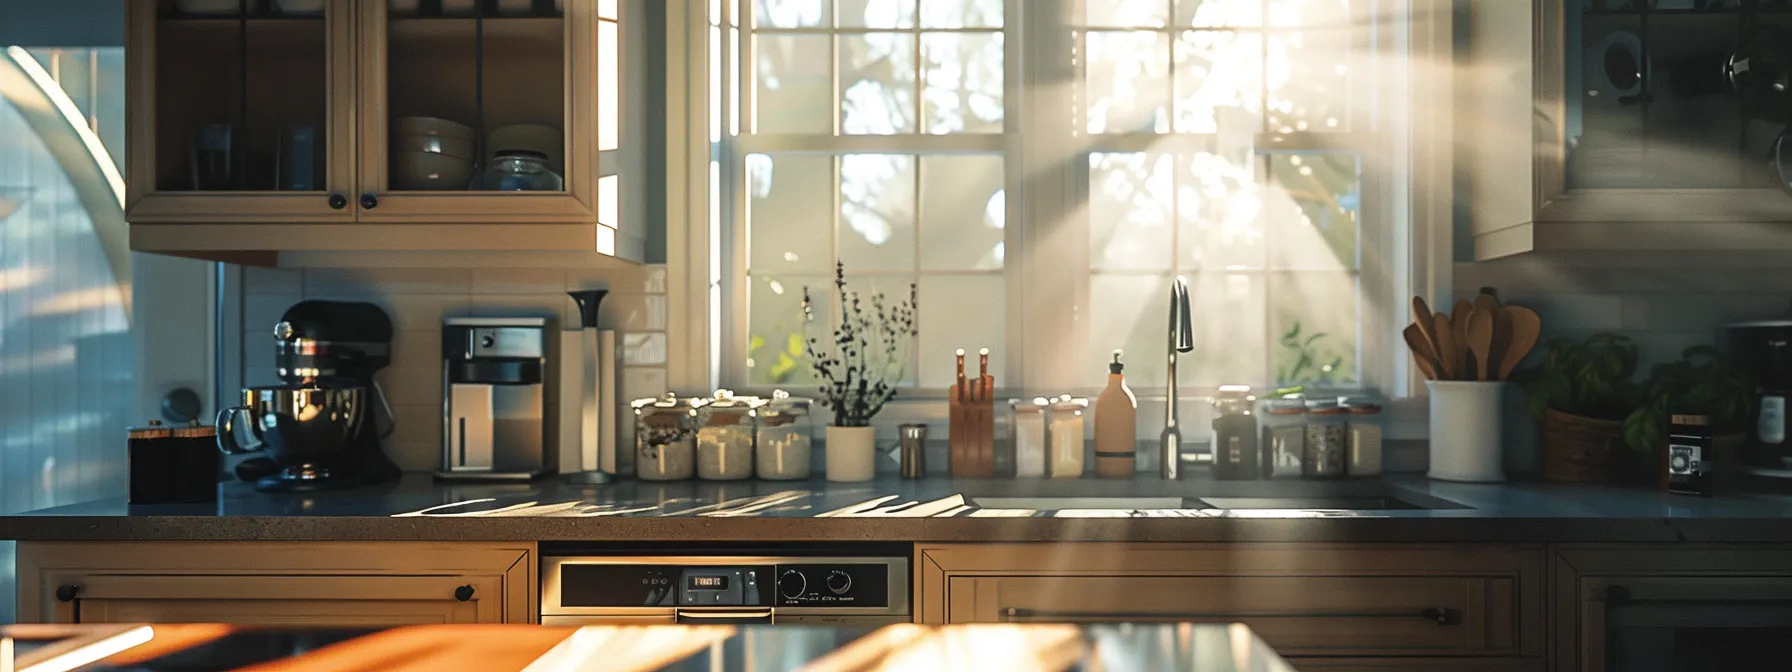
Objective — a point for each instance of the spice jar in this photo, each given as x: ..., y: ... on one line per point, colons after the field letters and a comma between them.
x: 665, y: 438
x: 1326, y: 437
x: 1284, y: 430
x: 725, y: 429
x: 1069, y: 417
x: 1364, y: 439
x: 1026, y: 428
x: 785, y: 438
x: 1235, y: 453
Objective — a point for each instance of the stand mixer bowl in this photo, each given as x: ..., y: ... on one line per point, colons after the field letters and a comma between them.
x: 305, y: 427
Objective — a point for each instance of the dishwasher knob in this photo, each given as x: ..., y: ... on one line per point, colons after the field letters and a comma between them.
x: 792, y: 584
x: 839, y: 582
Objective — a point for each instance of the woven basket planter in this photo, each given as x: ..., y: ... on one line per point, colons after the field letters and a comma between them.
x: 1579, y: 449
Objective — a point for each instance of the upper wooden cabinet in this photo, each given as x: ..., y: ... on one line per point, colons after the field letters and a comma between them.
x: 377, y: 125
x: 1612, y: 126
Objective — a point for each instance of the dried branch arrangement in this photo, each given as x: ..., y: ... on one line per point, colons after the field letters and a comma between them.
x: 864, y: 355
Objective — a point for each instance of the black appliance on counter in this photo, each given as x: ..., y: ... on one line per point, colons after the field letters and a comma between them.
x: 1765, y: 350
x: 318, y: 426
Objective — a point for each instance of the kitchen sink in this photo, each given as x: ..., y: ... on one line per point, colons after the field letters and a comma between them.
x: 1340, y: 502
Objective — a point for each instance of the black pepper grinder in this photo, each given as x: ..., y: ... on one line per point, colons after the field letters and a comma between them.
x: 1689, y: 464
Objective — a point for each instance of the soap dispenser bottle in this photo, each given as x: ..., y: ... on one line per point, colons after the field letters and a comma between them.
x: 1116, y: 425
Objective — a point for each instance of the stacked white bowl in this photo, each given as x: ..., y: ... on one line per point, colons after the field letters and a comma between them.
x: 430, y: 154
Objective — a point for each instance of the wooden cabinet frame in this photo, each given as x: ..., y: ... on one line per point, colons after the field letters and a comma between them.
x: 1514, y: 95
x: 1504, y: 584
x: 1580, y: 577
x: 503, y: 576
x: 145, y: 203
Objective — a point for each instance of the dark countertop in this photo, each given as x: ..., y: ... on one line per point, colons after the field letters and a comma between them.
x: 452, y: 648
x: 419, y: 508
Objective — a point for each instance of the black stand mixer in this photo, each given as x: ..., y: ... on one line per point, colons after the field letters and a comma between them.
x: 318, y: 427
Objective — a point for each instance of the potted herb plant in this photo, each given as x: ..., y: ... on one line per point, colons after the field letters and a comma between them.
x: 1582, y: 392
x: 1701, y: 382
x: 858, y: 360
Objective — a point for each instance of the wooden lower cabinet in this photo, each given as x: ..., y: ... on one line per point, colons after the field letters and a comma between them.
x: 288, y: 584
x: 1347, y: 607
x: 1614, y: 605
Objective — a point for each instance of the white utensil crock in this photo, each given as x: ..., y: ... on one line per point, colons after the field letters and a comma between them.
x: 851, y: 454
x: 1465, y: 431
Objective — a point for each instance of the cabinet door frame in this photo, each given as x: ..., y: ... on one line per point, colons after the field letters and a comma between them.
x: 576, y: 205
x: 1580, y: 576
x: 937, y: 564
x: 45, y: 566
x: 144, y: 203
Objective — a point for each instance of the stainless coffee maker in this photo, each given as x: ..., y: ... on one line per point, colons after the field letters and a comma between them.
x: 318, y: 427
x: 495, y: 421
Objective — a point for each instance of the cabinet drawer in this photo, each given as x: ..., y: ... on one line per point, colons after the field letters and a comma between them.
x: 287, y: 600
x: 1294, y: 614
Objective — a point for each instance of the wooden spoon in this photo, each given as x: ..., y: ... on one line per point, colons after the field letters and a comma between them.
x: 1526, y: 328
x: 1502, y: 328
x: 1421, y: 316
x: 1480, y: 342
x: 1459, y: 327
x: 1421, y: 351
x: 1449, y: 354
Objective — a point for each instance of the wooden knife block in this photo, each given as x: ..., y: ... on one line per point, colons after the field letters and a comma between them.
x: 971, y: 432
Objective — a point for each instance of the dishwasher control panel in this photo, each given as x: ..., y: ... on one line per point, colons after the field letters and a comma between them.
x: 822, y: 583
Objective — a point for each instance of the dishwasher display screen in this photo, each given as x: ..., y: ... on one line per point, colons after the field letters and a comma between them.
x: 706, y: 582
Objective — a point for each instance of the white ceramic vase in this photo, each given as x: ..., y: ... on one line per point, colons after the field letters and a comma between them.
x: 1466, y: 442
x: 851, y: 454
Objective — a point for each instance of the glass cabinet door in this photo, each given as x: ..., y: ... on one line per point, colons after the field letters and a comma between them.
x: 478, y: 111
x: 239, y: 111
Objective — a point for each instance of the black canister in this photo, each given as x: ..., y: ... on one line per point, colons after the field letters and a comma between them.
x: 173, y: 465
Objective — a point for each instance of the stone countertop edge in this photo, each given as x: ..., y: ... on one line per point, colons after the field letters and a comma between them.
x: 817, y: 511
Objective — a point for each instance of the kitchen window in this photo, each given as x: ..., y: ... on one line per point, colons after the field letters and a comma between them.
x: 1043, y: 169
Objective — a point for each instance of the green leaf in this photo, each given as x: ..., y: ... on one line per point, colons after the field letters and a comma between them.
x: 755, y: 342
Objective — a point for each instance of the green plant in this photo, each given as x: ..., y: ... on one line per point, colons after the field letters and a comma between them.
x: 1305, y: 358
x: 866, y: 353
x: 783, y: 366
x: 1591, y: 378
x: 1702, y: 382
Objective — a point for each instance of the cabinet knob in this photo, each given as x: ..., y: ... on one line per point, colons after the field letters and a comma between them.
x: 463, y: 593
x: 338, y: 201
x: 1443, y: 615
x: 67, y: 592
x: 369, y: 201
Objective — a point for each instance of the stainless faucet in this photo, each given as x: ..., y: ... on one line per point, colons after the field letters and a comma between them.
x: 1182, y: 339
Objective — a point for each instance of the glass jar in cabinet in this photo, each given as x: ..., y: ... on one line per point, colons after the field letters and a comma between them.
x: 665, y: 438
x: 726, y: 425
x: 785, y: 439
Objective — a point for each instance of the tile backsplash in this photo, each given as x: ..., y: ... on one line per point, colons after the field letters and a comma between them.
x: 417, y: 299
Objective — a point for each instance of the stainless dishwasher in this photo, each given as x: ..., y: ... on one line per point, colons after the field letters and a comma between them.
x: 797, y: 590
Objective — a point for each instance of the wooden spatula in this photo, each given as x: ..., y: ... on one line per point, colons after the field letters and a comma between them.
x: 1459, y: 326
x: 1480, y: 342
x: 1449, y: 354
x: 1502, y: 329
x: 1526, y: 329
x: 1421, y: 317
x: 1421, y: 351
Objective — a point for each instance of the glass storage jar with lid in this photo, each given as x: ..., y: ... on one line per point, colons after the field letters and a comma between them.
x: 1284, y: 429
x: 786, y: 437
x: 665, y: 437
x: 1326, y: 439
x: 520, y: 170
x: 725, y: 429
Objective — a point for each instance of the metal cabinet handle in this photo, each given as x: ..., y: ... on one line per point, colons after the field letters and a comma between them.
x: 67, y: 592
x: 726, y: 616
x: 338, y: 201
x: 1439, y: 615
x: 463, y: 593
x: 369, y: 201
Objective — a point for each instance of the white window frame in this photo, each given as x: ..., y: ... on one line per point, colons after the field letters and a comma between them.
x: 703, y: 319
